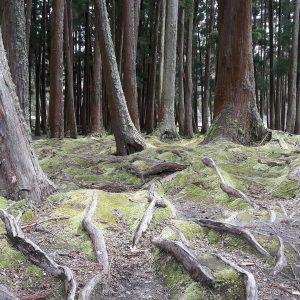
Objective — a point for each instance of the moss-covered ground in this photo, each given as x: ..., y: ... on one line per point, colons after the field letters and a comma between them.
x: 77, y: 166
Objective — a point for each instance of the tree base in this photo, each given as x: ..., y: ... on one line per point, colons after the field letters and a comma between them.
x: 232, y: 128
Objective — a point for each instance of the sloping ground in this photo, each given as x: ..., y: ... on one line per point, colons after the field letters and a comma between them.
x: 262, y: 173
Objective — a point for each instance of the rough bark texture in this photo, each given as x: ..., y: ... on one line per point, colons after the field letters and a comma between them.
x: 236, y: 116
x: 130, y: 83
x: 292, y: 85
x: 70, y: 121
x: 166, y: 126
x: 188, y: 91
x: 96, y: 103
x: 20, y: 174
x: 128, y: 139
x: 5, y: 294
x: 13, y: 26
x: 56, y: 105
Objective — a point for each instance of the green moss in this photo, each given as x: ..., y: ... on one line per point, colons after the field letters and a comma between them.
x: 9, y: 257
x: 28, y: 216
x: 196, y: 292
x: 190, y: 230
x: 3, y: 202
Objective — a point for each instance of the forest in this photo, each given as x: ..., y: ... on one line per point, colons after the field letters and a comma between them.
x: 149, y: 149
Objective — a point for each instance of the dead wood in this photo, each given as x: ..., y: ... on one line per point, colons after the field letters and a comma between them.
x: 44, y: 221
x: 281, y: 258
x: 182, y: 237
x: 189, y: 261
x: 272, y: 215
x: 144, y: 222
x: 180, y: 153
x: 163, y: 167
x: 109, y: 186
x: 36, y: 255
x: 99, y: 249
x: 236, y: 230
x: 5, y: 294
x: 273, y: 163
x: 251, y: 287
x: 153, y: 195
x: 229, y: 190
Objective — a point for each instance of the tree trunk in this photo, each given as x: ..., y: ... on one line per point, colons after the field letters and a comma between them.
x: 70, y: 121
x: 129, y: 80
x: 128, y: 139
x: 188, y: 91
x: 166, y: 126
x: 180, y: 71
x: 56, y: 105
x: 20, y: 174
x: 96, y: 102
x: 292, y: 84
x: 236, y: 116
x: 272, y: 94
x: 13, y: 25
x: 205, y: 111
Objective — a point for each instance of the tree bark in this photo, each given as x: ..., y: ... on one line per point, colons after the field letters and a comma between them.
x: 70, y: 121
x: 236, y: 116
x: 56, y: 105
x: 129, y: 80
x: 188, y: 93
x: 167, y: 127
x: 20, y: 174
x: 13, y: 26
x: 128, y: 139
x: 292, y: 83
x: 272, y: 91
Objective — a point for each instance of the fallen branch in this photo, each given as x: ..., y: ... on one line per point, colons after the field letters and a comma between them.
x: 272, y: 163
x: 44, y: 221
x: 36, y: 255
x: 163, y: 167
x: 251, y: 288
x: 229, y: 190
x: 189, y: 261
x: 108, y: 186
x: 225, y: 227
x: 281, y: 258
x: 5, y: 294
x: 99, y: 249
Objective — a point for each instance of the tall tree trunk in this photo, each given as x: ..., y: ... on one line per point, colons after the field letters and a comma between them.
x: 236, y: 116
x: 129, y: 80
x: 150, y: 110
x: 96, y: 103
x: 167, y: 126
x: 37, y: 130
x: 56, y: 106
x: 20, y: 174
x: 180, y: 70
x: 205, y: 111
x: 13, y: 25
x: 128, y: 139
x: 292, y: 84
x: 28, y: 22
x: 188, y: 91
x: 70, y: 121
x: 272, y: 90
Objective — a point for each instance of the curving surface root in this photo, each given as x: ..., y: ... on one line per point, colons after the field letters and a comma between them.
x: 36, y: 255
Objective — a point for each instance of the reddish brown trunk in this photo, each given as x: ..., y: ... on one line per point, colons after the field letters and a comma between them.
x: 56, y: 106
x: 236, y: 116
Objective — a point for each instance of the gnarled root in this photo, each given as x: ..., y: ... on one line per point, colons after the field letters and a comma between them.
x: 281, y: 258
x: 229, y: 190
x: 99, y: 249
x: 241, y: 232
x: 251, y: 288
x: 36, y: 255
x: 189, y: 261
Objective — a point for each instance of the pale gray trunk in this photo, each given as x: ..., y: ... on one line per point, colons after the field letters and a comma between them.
x: 13, y: 26
x: 20, y: 174
x: 167, y: 126
x: 292, y: 89
x: 128, y: 139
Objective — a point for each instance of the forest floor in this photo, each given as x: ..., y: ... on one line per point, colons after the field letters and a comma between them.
x: 269, y: 175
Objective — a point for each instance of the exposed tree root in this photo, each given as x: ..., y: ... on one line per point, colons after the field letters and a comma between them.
x: 109, y: 186
x: 144, y: 222
x: 99, y: 249
x: 189, y: 261
x: 229, y: 190
x: 273, y: 163
x: 272, y: 215
x: 36, y: 255
x: 180, y: 153
x: 251, y: 288
x: 241, y: 232
x: 5, y: 294
x: 281, y: 258
x: 44, y: 221
x: 153, y: 195
x: 181, y: 235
